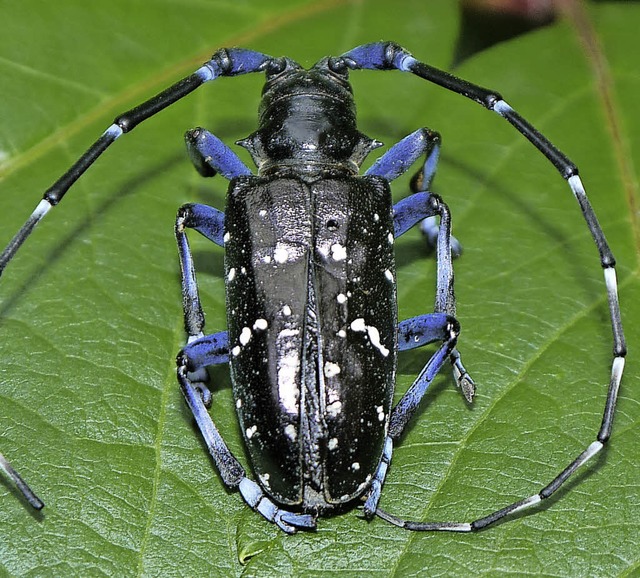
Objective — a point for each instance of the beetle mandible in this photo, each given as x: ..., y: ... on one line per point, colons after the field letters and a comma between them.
x: 313, y: 332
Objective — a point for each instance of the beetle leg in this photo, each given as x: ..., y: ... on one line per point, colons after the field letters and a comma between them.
x: 209, y: 222
x: 285, y: 520
x: 423, y: 329
x: 211, y: 156
x: 208, y: 350
x: 419, y: 331
x: 397, y: 161
x: 408, y: 212
x: 202, y: 352
x: 412, y: 333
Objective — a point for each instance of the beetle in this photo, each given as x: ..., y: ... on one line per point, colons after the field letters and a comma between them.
x: 313, y: 334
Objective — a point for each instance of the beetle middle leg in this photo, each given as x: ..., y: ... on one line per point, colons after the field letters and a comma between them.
x: 412, y: 333
x: 210, y: 156
x: 423, y: 206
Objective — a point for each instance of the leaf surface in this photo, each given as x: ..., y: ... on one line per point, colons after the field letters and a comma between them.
x: 90, y: 315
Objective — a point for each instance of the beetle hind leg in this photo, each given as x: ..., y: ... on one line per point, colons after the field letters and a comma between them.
x: 413, y: 333
x: 209, y: 350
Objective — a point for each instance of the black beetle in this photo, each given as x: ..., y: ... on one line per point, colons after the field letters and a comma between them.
x: 311, y: 301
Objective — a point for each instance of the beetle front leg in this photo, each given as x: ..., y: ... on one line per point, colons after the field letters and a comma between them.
x: 211, y: 156
x: 192, y: 360
x: 412, y: 333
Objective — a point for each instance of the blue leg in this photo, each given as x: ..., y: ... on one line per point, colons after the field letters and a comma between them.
x: 397, y: 161
x: 211, y: 156
x: 192, y: 360
x: 406, y: 214
x: 405, y: 153
x: 209, y: 222
x: 412, y: 333
x: 409, y: 211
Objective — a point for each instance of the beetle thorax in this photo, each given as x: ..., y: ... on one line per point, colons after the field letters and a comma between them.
x: 308, y: 121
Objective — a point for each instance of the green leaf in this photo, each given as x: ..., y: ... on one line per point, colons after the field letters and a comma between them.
x: 90, y: 315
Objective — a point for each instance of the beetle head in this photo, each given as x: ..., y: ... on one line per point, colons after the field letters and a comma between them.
x: 307, y: 119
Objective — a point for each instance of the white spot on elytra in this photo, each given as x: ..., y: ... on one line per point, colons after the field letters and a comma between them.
x: 239, y: 403
x: 286, y: 310
x: 243, y: 270
x: 232, y: 274
x: 333, y: 443
x: 373, y: 333
x: 281, y: 255
x: 338, y: 252
x: 288, y: 391
x: 245, y: 336
x: 251, y: 430
x: 262, y: 213
x: 389, y: 275
x: 376, y: 217
x: 390, y: 238
x: 290, y: 432
x: 288, y: 333
x: 227, y: 237
x: 341, y: 298
x: 355, y: 466
x: 235, y: 351
x: 260, y: 324
x: 331, y: 369
x: 374, y: 337
x: 342, y: 333
x: 380, y: 411
x: 334, y: 409
x: 267, y: 258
